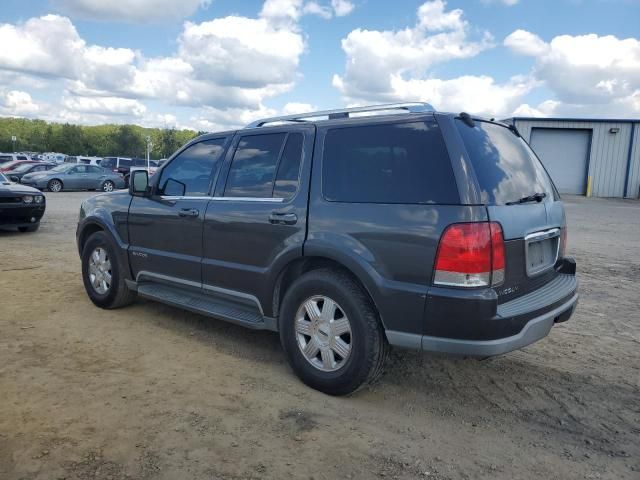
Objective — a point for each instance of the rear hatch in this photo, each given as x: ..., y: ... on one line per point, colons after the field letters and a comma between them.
x: 520, y: 195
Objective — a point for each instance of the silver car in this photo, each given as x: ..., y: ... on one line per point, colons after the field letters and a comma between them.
x: 71, y: 176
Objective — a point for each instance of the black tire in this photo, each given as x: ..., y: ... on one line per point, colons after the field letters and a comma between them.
x: 118, y: 294
x: 52, y: 185
x: 368, y: 342
x: 30, y: 228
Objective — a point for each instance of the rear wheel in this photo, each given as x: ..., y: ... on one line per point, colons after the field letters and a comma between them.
x: 102, y: 275
x: 331, y: 333
x: 108, y: 186
x: 54, y: 185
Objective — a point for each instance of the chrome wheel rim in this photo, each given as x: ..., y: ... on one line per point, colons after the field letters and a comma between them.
x: 56, y: 186
x: 107, y: 187
x: 100, y: 271
x: 323, y: 333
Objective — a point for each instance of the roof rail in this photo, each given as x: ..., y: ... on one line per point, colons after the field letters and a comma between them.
x: 411, y: 107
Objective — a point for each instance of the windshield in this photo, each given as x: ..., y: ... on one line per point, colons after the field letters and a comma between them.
x: 63, y: 168
x: 505, y: 166
x: 3, y: 178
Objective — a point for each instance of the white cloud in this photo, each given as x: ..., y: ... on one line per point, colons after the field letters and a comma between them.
x: 314, y: 8
x: 342, y: 7
x: 402, y: 61
x: 227, y: 63
x: 508, y: 3
x: 131, y: 10
x: 526, y: 43
x: 589, y: 74
x: 18, y: 103
x: 104, y: 105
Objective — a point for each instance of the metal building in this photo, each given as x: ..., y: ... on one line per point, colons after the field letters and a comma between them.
x: 596, y: 157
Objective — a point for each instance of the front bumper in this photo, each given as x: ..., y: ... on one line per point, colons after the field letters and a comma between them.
x: 39, y: 184
x: 473, y: 324
x: 14, y: 216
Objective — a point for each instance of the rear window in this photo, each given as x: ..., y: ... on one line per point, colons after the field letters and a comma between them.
x: 108, y: 162
x: 505, y: 166
x: 391, y: 163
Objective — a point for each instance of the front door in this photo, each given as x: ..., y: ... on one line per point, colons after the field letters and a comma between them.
x: 165, y: 229
x: 257, y: 220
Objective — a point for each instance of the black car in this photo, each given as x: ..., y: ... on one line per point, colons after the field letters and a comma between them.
x: 346, y: 233
x: 122, y: 165
x: 21, y: 207
x: 17, y: 173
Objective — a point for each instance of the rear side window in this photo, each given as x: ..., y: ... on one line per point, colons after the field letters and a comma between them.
x: 109, y: 162
x: 124, y: 162
x: 392, y: 163
x: 254, y: 165
x: 289, y: 167
x: 505, y: 166
x: 190, y: 173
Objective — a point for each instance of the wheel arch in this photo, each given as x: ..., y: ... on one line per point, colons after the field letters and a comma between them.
x: 302, y: 265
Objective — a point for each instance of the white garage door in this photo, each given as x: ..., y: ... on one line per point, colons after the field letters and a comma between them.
x: 564, y: 153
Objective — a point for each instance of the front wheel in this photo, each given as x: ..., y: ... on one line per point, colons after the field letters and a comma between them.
x: 54, y: 185
x: 102, y: 275
x: 108, y: 186
x: 331, y: 333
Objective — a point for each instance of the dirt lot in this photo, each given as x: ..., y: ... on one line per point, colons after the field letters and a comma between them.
x: 152, y: 392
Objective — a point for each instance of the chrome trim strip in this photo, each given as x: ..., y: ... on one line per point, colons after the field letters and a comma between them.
x: 537, y: 237
x: 167, y: 278
x: 227, y: 199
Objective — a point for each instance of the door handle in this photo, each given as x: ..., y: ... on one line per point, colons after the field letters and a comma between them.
x: 283, y: 218
x: 188, y: 212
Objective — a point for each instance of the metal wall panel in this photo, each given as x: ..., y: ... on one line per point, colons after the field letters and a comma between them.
x: 633, y: 186
x: 609, y: 153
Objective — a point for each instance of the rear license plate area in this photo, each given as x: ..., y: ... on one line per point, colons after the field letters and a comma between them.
x: 541, y: 251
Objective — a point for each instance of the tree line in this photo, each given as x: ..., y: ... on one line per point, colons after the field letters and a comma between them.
x: 99, y: 140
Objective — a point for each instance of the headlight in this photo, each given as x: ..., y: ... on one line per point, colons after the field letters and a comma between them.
x: 27, y: 199
x: 39, y: 198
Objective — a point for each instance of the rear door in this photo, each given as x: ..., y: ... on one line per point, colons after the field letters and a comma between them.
x: 507, y: 171
x: 165, y: 229
x: 257, y: 220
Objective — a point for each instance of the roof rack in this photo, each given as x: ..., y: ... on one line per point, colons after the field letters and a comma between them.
x: 411, y: 107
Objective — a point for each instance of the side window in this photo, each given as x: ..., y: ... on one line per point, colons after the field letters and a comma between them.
x: 81, y: 169
x: 39, y: 168
x: 21, y: 157
x: 190, y: 173
x: 140, y: 162
x: 254, y: 165
x: 289, y: 167
x: 391, y: 163
x: 124, y: 162
x: 93, y: 169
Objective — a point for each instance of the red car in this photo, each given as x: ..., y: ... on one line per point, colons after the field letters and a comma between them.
x: 11, y: 165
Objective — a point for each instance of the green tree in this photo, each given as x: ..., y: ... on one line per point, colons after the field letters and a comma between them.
x: 128, y: 142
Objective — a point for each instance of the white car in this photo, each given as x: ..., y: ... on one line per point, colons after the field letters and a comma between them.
x: 12, y: 157
x: 86, y: 160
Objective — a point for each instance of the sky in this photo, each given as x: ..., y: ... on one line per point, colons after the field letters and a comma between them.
x: 218, y: 64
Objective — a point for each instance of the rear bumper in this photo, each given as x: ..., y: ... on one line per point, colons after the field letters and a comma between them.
x: 474, y: 324
x: 534, y: 330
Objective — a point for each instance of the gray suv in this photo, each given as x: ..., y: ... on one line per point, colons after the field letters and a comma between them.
x: 345, y: 231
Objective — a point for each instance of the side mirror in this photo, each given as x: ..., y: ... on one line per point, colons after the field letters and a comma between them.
x: 139, y: 183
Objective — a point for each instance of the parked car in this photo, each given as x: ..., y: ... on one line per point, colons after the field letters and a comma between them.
x: 53, y: 157
x: 23, y: 169
x: 5, y: 167
x: 346, y: 234
x: 21, y: 207
x: 122, y: 165
x: 12, y: 157
x: 85, y: 160
x: 152, y: 169
x: 74, y: 177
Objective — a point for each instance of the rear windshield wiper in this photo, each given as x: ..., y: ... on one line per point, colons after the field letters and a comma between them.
x: 536, y: 197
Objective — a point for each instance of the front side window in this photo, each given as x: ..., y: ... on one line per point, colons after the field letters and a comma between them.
x: 191, y: 172
x: 389, y: 163
x: 253, y: 168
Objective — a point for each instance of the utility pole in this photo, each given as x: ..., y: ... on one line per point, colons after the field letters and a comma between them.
x: 13, y: 140
x: 149, y: 146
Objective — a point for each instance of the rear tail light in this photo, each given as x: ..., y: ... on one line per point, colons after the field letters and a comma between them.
x: 563, y: 241
x: 470, y: 255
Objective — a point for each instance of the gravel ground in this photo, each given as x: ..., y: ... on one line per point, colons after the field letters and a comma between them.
x: 153, y: 392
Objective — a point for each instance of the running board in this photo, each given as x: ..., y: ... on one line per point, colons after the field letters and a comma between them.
x: 207, y: 304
